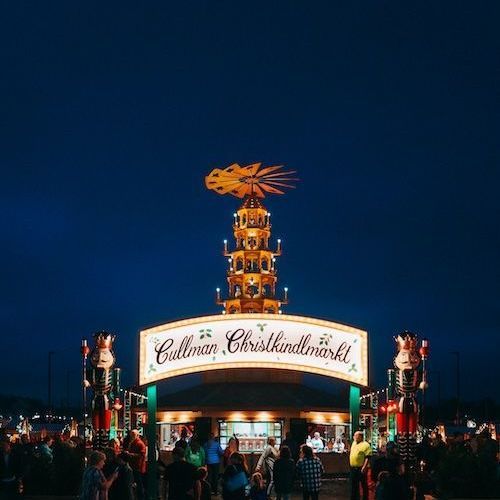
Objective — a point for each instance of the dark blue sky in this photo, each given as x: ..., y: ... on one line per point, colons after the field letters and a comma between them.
x: 111, y: 114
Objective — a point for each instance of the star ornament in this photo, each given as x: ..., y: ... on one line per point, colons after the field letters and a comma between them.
x: 251, y: 180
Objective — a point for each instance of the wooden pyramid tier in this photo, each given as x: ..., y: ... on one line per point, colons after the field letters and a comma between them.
x: 251, y: 274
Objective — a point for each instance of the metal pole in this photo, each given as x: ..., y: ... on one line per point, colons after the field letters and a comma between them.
x: 84, y: 349
x: 423, y: 408
x: 424, y: 353
x: 67, y: 389
x: 49, y: 382
x: 438, y: 373
x: 84, y: 401
x: 457, y: 374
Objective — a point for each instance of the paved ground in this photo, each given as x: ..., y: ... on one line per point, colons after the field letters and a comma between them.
x: 335, y: 489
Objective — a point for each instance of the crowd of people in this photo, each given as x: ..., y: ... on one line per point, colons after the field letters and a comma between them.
x: 49, y: 465
x: 60, y: 465
x: 55, y: 466
x: 455, y: 467
x: 203, y: 472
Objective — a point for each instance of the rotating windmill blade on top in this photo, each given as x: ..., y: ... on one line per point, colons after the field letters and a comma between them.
x: 251, y: 180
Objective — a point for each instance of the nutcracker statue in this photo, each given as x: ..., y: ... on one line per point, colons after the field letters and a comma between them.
x: 101, y: 377
x: 408, y: 380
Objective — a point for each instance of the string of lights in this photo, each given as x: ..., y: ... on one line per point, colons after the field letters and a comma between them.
x: 374, y: 393
x: 132, y: 393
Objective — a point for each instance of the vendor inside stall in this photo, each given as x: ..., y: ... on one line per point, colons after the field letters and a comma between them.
x: 327, y: 438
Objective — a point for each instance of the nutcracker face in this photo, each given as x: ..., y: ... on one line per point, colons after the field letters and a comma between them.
x: 406, y: 360
x: 102, y: 358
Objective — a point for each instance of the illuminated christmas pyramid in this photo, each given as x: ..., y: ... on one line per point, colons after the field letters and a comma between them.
x: 251, y: 274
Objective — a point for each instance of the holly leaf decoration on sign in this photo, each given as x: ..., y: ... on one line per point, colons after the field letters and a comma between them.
x: 325, y: 338
x: 261, y: 326
x: 205, y: 332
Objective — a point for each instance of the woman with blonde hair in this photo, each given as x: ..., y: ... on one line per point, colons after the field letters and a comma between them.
x: 265, y: 465
x: 258, y: 488
x: 232, y: 445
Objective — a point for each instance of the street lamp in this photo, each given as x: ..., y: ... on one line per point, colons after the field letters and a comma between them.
x: 457, y: 374
x: 49, y: 380
x: 438, y: 386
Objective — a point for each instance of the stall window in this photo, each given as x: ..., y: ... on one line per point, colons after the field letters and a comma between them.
x: 251, y: 435
x: 170, y: 434
x: 327, y: 438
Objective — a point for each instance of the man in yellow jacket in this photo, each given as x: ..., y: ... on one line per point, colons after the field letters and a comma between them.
x: 358, y: 460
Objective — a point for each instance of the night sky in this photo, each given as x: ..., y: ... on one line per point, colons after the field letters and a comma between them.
x: 111, y: 114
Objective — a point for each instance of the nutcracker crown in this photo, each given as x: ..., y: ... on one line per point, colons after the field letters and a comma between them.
x: 104, y: 340
x: 406, y: 340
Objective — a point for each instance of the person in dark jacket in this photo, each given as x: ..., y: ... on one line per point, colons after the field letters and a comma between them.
x: 284, y: 474
x: 292, y: 444
x: 10, y: 472
x: 124, y: 486
x: 183, y: 440
x: 388, y: 461
x: 181, y: 476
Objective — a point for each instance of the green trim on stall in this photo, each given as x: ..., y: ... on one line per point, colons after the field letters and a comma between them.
x: 354, y: 408
x: 151, y: 436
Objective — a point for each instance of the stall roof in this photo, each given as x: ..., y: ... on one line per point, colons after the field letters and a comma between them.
x: 245, y: 395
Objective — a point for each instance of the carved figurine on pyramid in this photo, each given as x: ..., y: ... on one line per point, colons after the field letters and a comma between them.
x: 101, y: 378
x: 251, y: 275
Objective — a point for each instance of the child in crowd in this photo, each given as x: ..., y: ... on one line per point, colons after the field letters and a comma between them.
x: 382, y: 490
x: 205, y: 489
x: 258, y: 489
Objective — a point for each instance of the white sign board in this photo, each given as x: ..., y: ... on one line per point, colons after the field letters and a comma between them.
x: 254, y: 341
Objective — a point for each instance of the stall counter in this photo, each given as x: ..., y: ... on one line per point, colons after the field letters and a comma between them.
x: 334, y: 463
